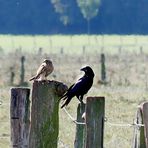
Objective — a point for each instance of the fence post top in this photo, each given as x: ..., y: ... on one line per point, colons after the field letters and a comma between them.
x: 142, y: 105
x: 19, y: 88
x: 58, y: 86
x: 95, y: 97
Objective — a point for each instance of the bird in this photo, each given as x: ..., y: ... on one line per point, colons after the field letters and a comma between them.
x: 80, y: 88
x: 43, y: 71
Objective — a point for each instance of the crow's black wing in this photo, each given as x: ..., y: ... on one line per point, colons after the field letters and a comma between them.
x: 65, y: 94
x: 81, y: 87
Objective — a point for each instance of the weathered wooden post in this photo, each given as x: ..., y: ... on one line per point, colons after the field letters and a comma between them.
x: 62, y: 51
x: 84, y: 50
x: 80, y: 128
x: 20, y: 117
x: 138, y: 135
x: 50, y: 43
x: 144, y: 130
x: 12, y: 76
x: 103, y: 69
x: 141, y: 50
x: 45, y: 114
x: 22, y: 75
x: 40, y: 51
x: 120, y: 49
x: 95, y: 110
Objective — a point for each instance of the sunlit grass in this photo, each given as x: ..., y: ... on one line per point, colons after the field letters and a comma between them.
x: 75, y: 43
x: 126, y: 75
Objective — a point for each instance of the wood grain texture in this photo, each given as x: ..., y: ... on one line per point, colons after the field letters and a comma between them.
x: 45, y: 114
x: 20, y: 117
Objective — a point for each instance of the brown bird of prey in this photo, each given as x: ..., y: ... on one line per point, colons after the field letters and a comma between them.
x: 43, y: 71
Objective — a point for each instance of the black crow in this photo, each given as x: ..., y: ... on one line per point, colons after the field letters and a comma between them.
x: 80, y: 88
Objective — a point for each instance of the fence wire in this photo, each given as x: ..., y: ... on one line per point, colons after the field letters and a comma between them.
x: 137, y: 125
x: 72, y: 118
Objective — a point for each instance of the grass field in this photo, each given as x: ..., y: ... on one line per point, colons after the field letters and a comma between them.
x: 127, y: 77
x: 74, y: 44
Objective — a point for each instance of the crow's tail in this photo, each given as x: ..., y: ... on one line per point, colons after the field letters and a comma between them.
x: 66, y: 102
x: 63, y: 97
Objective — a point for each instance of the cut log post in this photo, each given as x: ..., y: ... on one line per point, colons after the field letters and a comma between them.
x: 144, y: 130
x: 95, y: 110
x: 20, y: 117
x: 80, y: 128
x: 45, y: 114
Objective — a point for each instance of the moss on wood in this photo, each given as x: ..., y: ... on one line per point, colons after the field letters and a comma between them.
x: 45, y: 114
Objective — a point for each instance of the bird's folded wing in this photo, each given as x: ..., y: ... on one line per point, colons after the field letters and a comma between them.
x: 80, y: 86
x: 41, y: 69
x: 65, y: 94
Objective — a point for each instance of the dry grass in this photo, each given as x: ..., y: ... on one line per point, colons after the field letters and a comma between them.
x: 74, y: 44
x: 127, y: 88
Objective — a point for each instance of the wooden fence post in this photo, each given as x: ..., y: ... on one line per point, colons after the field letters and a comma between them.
x: 141, y: 50
x: 84, y: 50
x: 12, y: 75
x: 20, y: 117
x: 80, y: 128
x: 45, y: 114
x: 103, y: 69
x: 22, y: 75
x: 138, y: 135
x: 95, y: 110
x: 144, y: 140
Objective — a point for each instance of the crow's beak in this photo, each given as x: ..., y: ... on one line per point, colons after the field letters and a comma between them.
x: 82, y: 69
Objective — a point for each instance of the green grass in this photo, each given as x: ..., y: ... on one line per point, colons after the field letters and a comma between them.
x: 126, y: 75
x: 74, y: 44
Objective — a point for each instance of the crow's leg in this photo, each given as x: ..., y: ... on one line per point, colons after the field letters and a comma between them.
x: 80, y: 98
